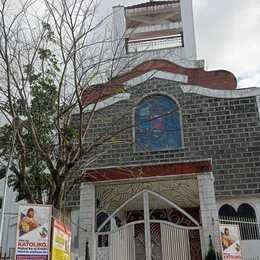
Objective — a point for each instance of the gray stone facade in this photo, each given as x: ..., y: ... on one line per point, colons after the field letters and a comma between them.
x: 225, y: 130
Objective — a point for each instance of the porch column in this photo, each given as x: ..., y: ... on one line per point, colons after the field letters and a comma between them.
x: 209, y: 213
x: 147, y: 224
x: 87, y: 221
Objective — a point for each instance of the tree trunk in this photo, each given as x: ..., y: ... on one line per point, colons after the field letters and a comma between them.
x: 58, y: 196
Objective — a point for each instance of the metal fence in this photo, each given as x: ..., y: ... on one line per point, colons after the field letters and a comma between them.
x: 249, y: 228
x: 249, y: 234
x: 173, y: 41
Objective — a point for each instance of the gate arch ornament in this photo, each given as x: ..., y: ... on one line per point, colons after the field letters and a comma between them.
x: 147, y: 239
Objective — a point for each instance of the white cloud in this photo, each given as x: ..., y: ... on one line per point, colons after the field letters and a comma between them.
x: 228, y: 38
x: 251, y: 80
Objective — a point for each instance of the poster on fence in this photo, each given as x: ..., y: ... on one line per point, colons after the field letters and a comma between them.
x: 61, y: 241
x: 230, y: 242
x: 33, y: 232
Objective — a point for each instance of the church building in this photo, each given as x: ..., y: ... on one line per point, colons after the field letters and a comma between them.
x: 183, y: 147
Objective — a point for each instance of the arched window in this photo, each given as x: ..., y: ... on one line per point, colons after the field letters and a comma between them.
x: 103, y: 239
x: 248, y: 227
x: 100, y: 219
x: 244, y: 217
x: 157, y: 121
x: 227, y: 211
x: 246, y: 211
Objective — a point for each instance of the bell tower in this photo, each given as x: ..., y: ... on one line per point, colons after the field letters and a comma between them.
x: 155, y: 27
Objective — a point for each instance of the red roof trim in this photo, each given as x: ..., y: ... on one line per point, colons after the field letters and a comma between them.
x: 126, y: 173
x: 219, y: 79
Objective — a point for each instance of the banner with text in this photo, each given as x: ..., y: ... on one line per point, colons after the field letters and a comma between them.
x: 33, y: 232
x: 61, y: 241
x: 230, y: 242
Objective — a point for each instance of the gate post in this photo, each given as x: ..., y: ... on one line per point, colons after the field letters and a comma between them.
x: 147, y: 227
x: 209, y: 213
x: 87, y: 221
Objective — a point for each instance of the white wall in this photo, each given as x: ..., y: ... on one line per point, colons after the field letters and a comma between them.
x: 190, y: 50
x: 10, y: 220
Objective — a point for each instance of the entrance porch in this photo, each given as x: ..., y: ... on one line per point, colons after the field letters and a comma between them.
x: 150, y: 218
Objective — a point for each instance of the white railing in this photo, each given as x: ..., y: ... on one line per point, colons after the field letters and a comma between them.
x: 131, y: 11
x: 249, y: 234
x: 249, y: 228
x: 173, y: 41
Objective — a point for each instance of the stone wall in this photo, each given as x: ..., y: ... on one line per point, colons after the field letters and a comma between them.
x: 225, y: 130
x: 87, y: 218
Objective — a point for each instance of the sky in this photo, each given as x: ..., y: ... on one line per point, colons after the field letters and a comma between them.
x: 227, y: 35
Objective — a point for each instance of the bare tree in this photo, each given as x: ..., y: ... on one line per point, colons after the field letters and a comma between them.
x: 47, y: 62
x: 51, y: 64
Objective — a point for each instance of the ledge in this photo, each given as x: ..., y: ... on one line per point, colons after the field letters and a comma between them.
x: 220, y: 93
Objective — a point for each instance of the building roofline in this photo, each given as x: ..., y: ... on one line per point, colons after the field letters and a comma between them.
x: 152, y: 3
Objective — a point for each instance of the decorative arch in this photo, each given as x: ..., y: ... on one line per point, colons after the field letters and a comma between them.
x: 227, y: 211
x: 245, y: 210
x: 245, y: 217
x: 101, y: 218
x: 248, y: 230
x: 110, y: 225
x: 157, y: 195
x: 157, y: 124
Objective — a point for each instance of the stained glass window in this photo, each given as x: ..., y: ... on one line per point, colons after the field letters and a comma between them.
x: 157, y: 122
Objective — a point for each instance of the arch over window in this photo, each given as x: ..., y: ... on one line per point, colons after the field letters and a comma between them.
x: 101, y: 217
x: 227, y: 211
x: 248, y: 229
x: 158, y: 127
x: 103, y: 239
x: 244, y: 217
x: 246, y: 211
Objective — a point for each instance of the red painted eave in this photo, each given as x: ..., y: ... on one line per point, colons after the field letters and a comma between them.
x: 163, y: 170
x: 219, y: 79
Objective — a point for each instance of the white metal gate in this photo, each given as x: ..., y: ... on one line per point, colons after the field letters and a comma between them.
x: 180, y: 249
x: 122, y: 244
x: 146, y: 239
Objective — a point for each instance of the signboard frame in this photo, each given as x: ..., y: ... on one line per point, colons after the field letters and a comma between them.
x: 23, y: 226
x: 230, y: 239
x: 61, y: 229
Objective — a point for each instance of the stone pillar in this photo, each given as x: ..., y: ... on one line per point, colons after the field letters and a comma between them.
x: 119, y: 30
x: 87, y: 221
x: 209, y: 213
x: 188, y: 30
x: 119, y: 35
